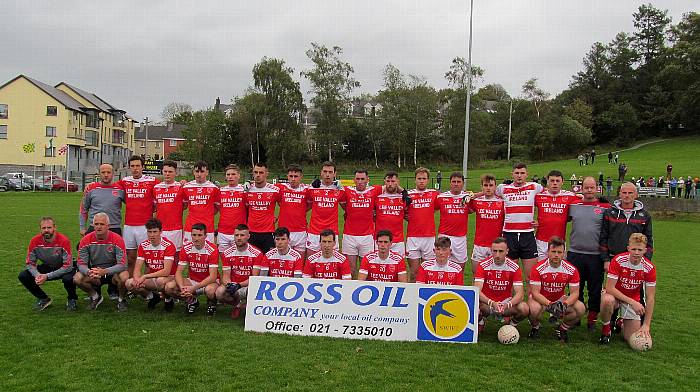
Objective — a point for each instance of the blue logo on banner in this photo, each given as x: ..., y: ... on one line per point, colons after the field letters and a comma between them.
x: 445, y: 314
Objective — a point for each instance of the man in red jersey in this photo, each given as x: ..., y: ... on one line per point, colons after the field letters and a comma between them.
x: 454, y: 217
x: 500, y: 284
x: 383, y: 265
x: 201, y: 258
x: 293, y: 207
x: 102, y: 196
x: 169, y: 199
x: 139, y: 207
x: 237, y: 263
x: 358, y: 231
x: 261, y: 198
x: 233, y: 209
x: 390, y: 211
x: 441, y: 270
x: 489, y: 212
x: 282, y: 260
x: 157, y: 254
x: 323, y: 197
x: 519, y: 201
x: 420, y: 243
x: 327, y: 263
x: 627, y: 273
x: 552, y: 212
x: 203, y: 201
x: 548, y: 281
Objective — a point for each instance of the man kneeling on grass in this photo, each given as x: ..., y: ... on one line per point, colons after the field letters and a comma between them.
x: 548, y: 281
x: 101, y: 260
x: 201, y: 258
x: 157, y: 253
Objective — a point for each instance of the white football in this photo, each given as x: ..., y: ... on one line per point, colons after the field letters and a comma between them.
x: 639, y: 342
x: 508, y: 334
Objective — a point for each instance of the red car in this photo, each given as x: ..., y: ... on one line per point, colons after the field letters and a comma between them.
x: 60, y: 185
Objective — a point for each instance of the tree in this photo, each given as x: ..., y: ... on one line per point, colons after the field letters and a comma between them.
x: 247, y: 115
x: 332, y: 83
x: 209, y: 137
x: 457, y: 76
x: 581, y: 112
x: 536, y: 95
x: 173, y: 110
x: 622, y: 120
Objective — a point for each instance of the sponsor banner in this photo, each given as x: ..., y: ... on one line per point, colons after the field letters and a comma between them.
x: 362, y: 310
x: 153, y: 167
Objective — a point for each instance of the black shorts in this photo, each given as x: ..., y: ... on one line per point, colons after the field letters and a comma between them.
x: 262, y: 241
x: 106, y: 279
x: 521, y: 245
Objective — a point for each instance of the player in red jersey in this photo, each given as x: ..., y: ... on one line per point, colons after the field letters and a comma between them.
x: 383, y: 265
x: 420, y: 244
x: 169, y: 200
x: 552, y: 212
x: 293, y: 208
x: 139, y: 202
x: 233, y: 209
x: 282, y: 260
x: 323, y: 198
x: 358, y: 231
x: 327, y: 263
x: 500, y: 284
x: 201, y: 258
x: 237, y: 263
x: 261, y: 198
x: 390, y: 211
x: 441, y: 270
x: 548, y: 281
x: 454, y: 217
x: 203, y: 201
x: 489, y: 212
x: 626, y: 274
x: 157, y: 254
x: 519, y: 201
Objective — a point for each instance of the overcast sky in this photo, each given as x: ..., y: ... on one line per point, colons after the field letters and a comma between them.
x: 141, y: 55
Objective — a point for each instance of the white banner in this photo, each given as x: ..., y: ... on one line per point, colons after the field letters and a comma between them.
x: 362, y: 310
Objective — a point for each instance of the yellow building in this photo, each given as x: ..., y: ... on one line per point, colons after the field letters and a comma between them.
x: 55, y: 126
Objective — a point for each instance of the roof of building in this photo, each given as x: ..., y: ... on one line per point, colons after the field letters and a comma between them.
x: 92, y: 98
x: 160, y: 132
x: 65, y: 99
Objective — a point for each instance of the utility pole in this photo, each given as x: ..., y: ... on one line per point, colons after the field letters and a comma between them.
x: 469, y: 93
x: 510, y: 123
x: 145, y: 125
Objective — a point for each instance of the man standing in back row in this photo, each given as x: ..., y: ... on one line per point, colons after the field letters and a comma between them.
x: 420, y: 245
x: 261, y: 198
x: 323, y: 199
x: 103, y: 196
x: 358, y: 231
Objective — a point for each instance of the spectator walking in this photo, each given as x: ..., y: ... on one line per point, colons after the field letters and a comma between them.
x: 592, y: 156
x: 617, y: 157
x: 585, y: 156
x: 669, y: 170
x: 580, y: 159
x: 600, y: 179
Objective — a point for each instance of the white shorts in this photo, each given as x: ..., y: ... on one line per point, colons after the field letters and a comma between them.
x: 187, y: 237
x: 224, y: 241
x: 399, y: 247
x: 313, y: 242
x: 134, y: 236
x: 358, y: 245
x: 297, y: 239
x: 542, y: 247
x: 627, y: 312
x: 481, y: 253
x: 459, y: 248
x: 174, y: 236
x: 420, y: 248
x: 200, y: 290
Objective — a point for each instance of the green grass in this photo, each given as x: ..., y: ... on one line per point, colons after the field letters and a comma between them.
x: 148, y: 351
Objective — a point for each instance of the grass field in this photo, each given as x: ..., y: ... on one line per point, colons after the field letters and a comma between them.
x: 153, y: 351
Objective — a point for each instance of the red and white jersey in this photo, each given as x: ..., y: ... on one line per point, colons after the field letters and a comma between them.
x: 498, y: 280
x: 553, y: 281
x: 169, y: 205
x: 139, y: 199
x: 553, y: 213
x: 155, y: 255
x: 199, y: 261
x: 233, y: 210
x: 202, y: 201
x: 324, y: 207
x: 454, y: 217
x: 261, y: 208
x: 449, y: 274
x: 287, y: 265
x: 519, y: 204
x: 293, y: 207
x: 383, y: 270
x: 630, y: 277
x: 334, y: 267
x: 390, y: 211
x: 421, y: 213
x: 489, y: 219
x: 240, y: 262
x: 359, y: 210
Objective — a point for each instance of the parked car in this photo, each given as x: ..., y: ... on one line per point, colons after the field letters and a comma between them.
x: 4, y: 184
x: 19, y: 184
x: 60, y: 185
x: 39, y: 185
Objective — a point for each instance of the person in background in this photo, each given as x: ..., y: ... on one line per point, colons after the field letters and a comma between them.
x: 688, y: 187
x: 609, y: 185
x: 673, y: 184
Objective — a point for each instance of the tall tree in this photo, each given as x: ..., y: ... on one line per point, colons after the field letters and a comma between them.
x: 173, y: 110
x: 535, y: 94
x: 457, y: 76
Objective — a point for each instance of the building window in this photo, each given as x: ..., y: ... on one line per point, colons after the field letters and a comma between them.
x: 3, y: 110
x: 3, y: 131
x: 173, y: 143
x: 51, y: 131
x: 50, y: 151
x: 157, y: 144
x: 143, y: 144
x: 51, y: 111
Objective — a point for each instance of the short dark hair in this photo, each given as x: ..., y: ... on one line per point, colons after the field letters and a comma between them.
x: 137, y: 158
x: 555, y: 241
x: 294, y: 168
x: 154, y: 223
x: 281, y: 231
x: 170, y: 162
x: 487, y: 177
x: 519, y: 165
x: 554, y: 173
x: 326, y: 233
x: 385, y: 233
x: 261, y: 164
x: 457, y: 175
x: 362, y: 171
x: 200, y: 165
x: 499, y: 240
x: 242, y: 226
x: 199, y: 226
x: 232, y: 167
x: 328, y: 163
x: 443, y: 242
x: 390, y: 174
